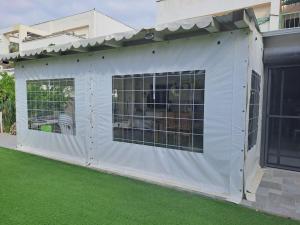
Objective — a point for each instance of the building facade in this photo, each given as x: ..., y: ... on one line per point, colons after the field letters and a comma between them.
x: 84, y: 25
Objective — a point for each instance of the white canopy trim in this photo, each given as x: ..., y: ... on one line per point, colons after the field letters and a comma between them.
x: 180, y: 29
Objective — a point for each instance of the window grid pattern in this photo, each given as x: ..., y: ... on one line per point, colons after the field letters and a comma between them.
x: 162, y: 109
x: 254, y: 110
x: 51, y: 105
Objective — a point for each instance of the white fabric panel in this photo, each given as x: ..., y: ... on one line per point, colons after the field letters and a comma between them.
x: 253, y: 171
x: 66, y: 147
x: 217, y: 171
x: 238, y: 113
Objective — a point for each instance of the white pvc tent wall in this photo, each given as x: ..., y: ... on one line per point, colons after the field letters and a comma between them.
x: 253, y: 171
x: 217, y: 171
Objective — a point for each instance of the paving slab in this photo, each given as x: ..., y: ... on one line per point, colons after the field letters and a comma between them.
x: 8, y: 141
x: 278, y: 193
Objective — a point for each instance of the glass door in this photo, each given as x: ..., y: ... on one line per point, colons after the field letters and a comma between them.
x: 283, y: 119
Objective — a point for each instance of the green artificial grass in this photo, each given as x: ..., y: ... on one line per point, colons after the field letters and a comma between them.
x: 39, y: 191
x: 46, y: 128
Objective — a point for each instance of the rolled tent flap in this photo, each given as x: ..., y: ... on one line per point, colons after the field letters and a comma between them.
x: 282, y: 49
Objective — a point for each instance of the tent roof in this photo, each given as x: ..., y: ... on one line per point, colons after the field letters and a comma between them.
x: 179, y: 29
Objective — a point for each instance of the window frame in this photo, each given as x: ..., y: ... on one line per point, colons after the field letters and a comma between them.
x: 57, y: 105
x: 254, y: 109
x: 160, y: 106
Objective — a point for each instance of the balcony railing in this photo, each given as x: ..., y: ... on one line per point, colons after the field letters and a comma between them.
x: 290, y: 20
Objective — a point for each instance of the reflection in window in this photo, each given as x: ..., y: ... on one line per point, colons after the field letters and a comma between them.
x: 254, y: 110
x: 51, y: 105
x: 161, y: 109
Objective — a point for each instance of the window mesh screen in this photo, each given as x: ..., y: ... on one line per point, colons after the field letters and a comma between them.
x: 162, y: 109
x: 254, y: 110
x: 51, y: 105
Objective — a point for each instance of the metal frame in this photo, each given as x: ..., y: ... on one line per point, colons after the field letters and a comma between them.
x: 265, y: 120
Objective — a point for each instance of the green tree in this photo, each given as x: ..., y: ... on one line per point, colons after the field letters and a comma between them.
x: 7, y: 100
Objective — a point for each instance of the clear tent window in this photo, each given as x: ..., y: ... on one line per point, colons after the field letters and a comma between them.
x: 254, y: 109
x: 160, y: 109
x: 51, y: 105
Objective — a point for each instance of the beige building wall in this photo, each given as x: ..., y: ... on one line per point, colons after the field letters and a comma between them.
x: 105, y: 25
x: 171, y: 10
x: 82, y: 22
x: 4, y: 44
x: 88, y: 24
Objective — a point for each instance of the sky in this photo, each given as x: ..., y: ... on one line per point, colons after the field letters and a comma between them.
x: 136, y: 13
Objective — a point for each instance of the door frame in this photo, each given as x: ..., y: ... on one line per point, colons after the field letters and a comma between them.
x: 265, y: 109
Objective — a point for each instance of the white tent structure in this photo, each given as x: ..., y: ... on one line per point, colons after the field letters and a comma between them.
x: 177, y: 105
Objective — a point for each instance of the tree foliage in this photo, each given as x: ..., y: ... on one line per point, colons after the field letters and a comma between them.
x: 7, y: 100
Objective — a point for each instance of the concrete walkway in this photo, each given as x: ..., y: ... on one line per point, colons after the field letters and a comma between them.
x: 278, y: 193
x: 8, y: 141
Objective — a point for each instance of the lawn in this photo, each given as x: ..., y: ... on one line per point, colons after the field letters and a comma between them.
x: 39, y: 191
